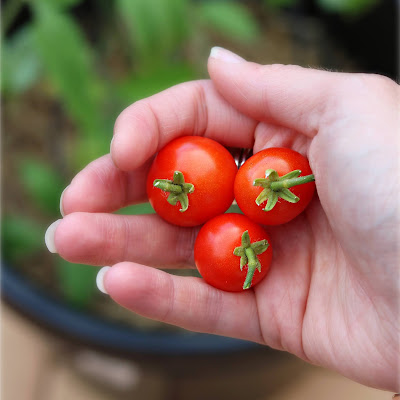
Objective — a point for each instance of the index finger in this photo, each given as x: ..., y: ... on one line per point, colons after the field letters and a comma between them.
x: 190, y: 108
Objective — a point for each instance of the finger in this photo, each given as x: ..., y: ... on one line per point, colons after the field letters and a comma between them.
x: 102, y: 187
x: 191, y: 108
x: 105, y: 239
x: 270, y: 135
x: 187, y: 302
x: 287, y: 95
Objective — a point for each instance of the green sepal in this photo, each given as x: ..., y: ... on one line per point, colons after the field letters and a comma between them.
x: 248, y: 256
x: 173, y: 199
x: 291, y: 175
x: 188, y: 188
x: 271, y: 175
x: 263, y: 196
x: 287, y: 195
x: 239, y: 251
x: 275, y: 187
x: 246, y: 242
x: 178, y: 178
x: 167, y: 186
x: 177, y: 188
x: 184, y: 200
x: 272, y: 200
x: 243, y: 262
x: 260, y: 246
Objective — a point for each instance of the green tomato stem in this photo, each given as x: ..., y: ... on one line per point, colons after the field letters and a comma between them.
x: 252, y: 264
x: 167, y: 186
x: 248, y: 256
x: 288, y: 183
x: 275, y: 187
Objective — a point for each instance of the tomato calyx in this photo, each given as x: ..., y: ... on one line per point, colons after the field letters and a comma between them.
x: 248, y: 256
x: 177, y: 188
x: 275, y: 187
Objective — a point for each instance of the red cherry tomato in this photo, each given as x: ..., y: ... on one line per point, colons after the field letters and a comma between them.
x: 226, y: 258
x: 288, y: 202
x: 204, y: 187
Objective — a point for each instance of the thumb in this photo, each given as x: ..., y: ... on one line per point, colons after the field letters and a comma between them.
x: 285, y: 95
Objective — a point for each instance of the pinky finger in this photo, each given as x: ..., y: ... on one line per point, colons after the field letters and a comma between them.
x: 187, y: 302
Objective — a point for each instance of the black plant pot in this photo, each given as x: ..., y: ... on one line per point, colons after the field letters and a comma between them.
x: 83, y: 328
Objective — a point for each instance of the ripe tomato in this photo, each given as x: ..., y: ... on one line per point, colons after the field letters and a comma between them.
x: 191, y: 181
x: 229, y: 249
x: 282, y: 205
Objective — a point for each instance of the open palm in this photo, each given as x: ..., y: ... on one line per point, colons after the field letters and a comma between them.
x: 332, y: 294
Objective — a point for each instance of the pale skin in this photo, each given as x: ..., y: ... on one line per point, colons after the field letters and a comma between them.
x: 332, y: 294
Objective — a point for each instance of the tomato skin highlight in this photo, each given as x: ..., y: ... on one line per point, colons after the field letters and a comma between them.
x: 282, y: 160
x: 207, y: 165
x: 214, y: 247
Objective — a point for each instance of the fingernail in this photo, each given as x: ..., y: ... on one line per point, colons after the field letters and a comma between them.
x: 225, y: 55
x: 49, y: 236
x: 61, y: 201
x: 100, y: 279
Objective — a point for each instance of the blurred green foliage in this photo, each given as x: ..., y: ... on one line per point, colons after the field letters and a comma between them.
x: 43, y: 183
x: 150, y: 40
x: 54, y: 49
x: 20, y: 63
x: 20, y: 237
x: 350, y: 8
x: 230, y: 18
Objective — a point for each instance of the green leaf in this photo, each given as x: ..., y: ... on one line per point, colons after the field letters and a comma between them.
x: 42, y: 184
x: 20, y: 237
x: 155, y: 27
x: 21, y: 65
x: 231, y: 19
x: 140, y: 86
x: 77, y: 282
x: 138, y: 23
x: 69, y: 62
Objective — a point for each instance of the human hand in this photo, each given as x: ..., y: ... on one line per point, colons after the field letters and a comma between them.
x: 332, y: 294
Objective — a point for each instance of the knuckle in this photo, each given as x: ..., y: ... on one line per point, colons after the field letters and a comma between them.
x: 370, y: 84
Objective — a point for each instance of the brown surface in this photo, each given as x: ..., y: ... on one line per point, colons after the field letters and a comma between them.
x: 36, y: 365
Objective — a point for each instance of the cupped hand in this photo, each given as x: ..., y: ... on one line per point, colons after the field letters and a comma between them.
x: 332, y: 294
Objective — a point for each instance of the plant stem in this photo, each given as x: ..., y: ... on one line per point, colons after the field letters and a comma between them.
x: 168, y: 186
x: 288, y: 183
x: 252, y: 265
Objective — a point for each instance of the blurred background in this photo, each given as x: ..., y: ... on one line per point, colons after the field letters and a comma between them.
x: 69, y: 67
